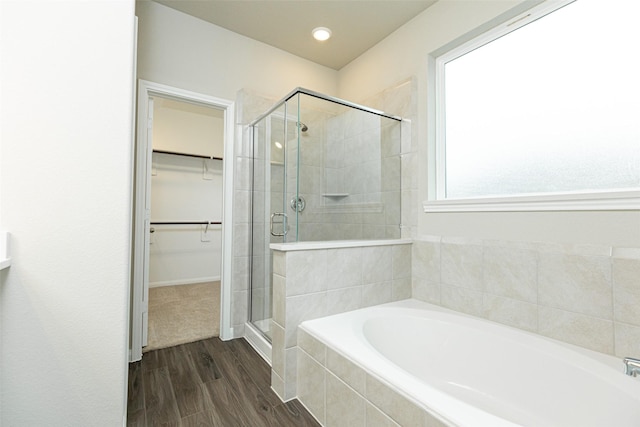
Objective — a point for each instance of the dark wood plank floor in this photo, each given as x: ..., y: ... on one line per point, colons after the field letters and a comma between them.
x: 208, y: 383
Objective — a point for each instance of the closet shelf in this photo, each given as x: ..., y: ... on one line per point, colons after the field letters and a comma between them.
x: 198, y: 156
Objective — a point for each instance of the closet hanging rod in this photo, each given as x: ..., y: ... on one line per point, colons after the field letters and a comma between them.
x: 186, y: 223
x: 199, y: 156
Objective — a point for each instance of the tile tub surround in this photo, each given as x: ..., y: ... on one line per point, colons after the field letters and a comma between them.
x: 586, y: 295
x: 317, y: 279
x: 337, y: 392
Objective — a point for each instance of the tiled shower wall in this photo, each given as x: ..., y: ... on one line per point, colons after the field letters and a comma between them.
x: 587, y: 295
x: 350, y: 177
x: 398, y: 100
x: 249, y: 105
x: 349, y: 174
x: 401, y: 100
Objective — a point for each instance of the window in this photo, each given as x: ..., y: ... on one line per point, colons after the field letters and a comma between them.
x: 545, y: 108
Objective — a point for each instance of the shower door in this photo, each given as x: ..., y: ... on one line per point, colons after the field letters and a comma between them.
x: 274, y: 142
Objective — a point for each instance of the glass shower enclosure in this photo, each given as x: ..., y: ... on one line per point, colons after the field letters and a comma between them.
x: 323, y: 169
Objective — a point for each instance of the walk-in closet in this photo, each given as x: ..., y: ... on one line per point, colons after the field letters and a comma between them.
x: 185, y: 241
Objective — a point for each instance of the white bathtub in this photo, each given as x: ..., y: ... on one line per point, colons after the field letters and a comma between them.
x: 467, y: 371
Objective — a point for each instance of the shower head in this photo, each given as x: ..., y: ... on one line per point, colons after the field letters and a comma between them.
x: 303, y: 127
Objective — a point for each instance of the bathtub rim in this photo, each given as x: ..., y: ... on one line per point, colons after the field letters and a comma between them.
x: 441, y: 400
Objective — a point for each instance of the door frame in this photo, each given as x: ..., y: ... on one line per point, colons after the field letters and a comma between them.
x: 140, y: 289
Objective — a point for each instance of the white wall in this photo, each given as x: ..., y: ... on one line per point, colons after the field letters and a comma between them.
x: 404, y: 54
x: 181, y: 51
x: 187, y: 128
x: 66, y: 197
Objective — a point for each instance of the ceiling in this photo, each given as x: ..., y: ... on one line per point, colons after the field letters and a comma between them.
x: 357, y: 25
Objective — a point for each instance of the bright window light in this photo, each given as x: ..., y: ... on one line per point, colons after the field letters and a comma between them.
x: 552, y: 107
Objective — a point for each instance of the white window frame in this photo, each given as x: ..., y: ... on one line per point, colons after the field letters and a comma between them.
x: 627, y: 199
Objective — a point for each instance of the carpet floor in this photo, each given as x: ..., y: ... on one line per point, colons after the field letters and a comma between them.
x: 182, y: 314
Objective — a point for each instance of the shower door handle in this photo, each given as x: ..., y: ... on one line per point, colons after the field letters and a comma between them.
x: 284, y: 224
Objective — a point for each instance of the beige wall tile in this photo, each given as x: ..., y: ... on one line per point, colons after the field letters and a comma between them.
x: 376, y: 264
x: 626, y: 290
x: 581, y: 249
x: 577, y: 283
x: 277, y: 384
x: 376, y: 418
x: 461, y: 265
x: 628, y: 253
x: 240, y: 273
x: 240, y: 308
x: 242, y: 174
x: 346, y: 370
x: 393, y: 404
x: 312, y: 346
x: 425, y: 291
x: 409, y: 167
x: 627, y: 340
x: 241, y: 206
x: 300, y: 308
x: 461, y: 240
x: 240, y: 239
x: 461, y: 299
x: 279, y: 299
x: 409, y: 199
x: 390, y: 169
x: 401, y: 289
x: 279, y: 263
x: 587, y: 285
x: 431, y: 421
x: 511, y: 272
x: 401, y: 261
x: 512, y: 312
x: 425, y: 261
x: 345, y: 407
x: 377, y: 293
x: 311, y: 385
x: 586, y: 331
x: 344, y: 267
x: 343, y: 300
x: 291, y: 373
x: 277, y: 349
x: 306, y: 272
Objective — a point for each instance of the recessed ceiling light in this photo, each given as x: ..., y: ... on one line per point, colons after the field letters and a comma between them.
x: 321, y: 33
x: 278, y: 145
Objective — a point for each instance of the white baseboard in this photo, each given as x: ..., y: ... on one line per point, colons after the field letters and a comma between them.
x: 184, y: 281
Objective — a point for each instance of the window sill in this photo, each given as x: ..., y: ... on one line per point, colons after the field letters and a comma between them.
x: 597, y: 201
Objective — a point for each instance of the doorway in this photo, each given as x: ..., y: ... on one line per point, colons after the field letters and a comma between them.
x: 182, y: 241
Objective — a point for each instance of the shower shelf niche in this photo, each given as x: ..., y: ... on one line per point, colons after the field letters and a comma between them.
x: 335, y: 195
